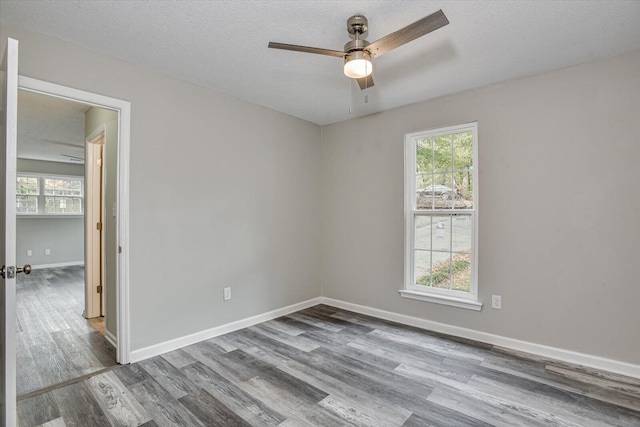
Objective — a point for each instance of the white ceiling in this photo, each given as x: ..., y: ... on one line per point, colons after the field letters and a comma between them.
x: 50, y: 128
x: 223, y: 44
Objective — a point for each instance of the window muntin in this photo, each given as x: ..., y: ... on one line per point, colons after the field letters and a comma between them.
x: 441, y: 212
x: 49, y: 195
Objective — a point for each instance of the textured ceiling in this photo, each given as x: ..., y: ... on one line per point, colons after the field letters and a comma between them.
x: 223, y: 44
x: 50, y: 128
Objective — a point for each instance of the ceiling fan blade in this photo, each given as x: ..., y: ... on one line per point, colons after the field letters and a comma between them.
x: 307, y: 49
x: 365, y: 82
x: 410, y: 32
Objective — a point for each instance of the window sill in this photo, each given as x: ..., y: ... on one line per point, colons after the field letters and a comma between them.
x: 441, y: 299
x: 18, y: 216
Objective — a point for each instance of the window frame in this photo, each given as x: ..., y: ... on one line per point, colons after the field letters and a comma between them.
x: 425, y: 293
x: 42, y: 196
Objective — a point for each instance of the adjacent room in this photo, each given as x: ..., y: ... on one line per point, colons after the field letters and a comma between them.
x: 322, y: 213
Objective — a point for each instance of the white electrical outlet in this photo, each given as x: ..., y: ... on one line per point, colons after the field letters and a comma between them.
x: 227, y: 294
x: 496, y: 301
x: 29, y: 252
x: 47, y: 251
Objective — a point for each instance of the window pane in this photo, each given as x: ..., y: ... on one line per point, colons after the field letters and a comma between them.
x: 463, y: 151
x: 63, y: 187
x: 26, y: 204
x: 461, y: 237
x: 422, y: 232
x: 76, y: 188
x: 422, y: 268
x: 440, y: 270
x: 442, y: 191
x: 27, y: 185
x: 424, y: 156
x: 69, y: 205
x: 424, y: 194
x: 461, y: 272
x: 441, y: 233
x: 442, y: 154
x: 463, y: 190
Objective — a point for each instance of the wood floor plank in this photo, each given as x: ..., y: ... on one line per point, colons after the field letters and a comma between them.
x: 179, y: 358
x: 236, y: 399
x: 349, y: 413
x: 58, y: 422
x: 279, y: 378
x: 299, y: 342
x: 315, y: 321
x: 284, y: 327
x: 77, y: 355
x: 211, y: 411
x: 159, y: 404
x: 37, y: 410
x: 169, y: 377
x: 116, y: 401
x: 436, y: 415
x: 78, y: 407
x: 132, y: 374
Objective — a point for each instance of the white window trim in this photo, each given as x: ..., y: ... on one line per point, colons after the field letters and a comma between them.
x: 422, y: 293
x: 41, y: 196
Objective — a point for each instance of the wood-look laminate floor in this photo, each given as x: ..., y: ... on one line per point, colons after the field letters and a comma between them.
x: 54, y: 342
x: 328, y: 367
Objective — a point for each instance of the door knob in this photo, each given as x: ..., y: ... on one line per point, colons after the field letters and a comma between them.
x: 10, y: 272
x: 26, y: 269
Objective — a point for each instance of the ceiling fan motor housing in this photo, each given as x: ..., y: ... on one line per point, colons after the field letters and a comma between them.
x: 357, y: 24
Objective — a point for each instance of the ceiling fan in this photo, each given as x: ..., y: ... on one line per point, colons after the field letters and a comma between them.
x: 358, y: 52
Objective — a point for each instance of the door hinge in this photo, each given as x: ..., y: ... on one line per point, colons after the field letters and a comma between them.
x: 99, y: 162
x: 99, y: 289
x: 119, y: 249
x: 99, y: 226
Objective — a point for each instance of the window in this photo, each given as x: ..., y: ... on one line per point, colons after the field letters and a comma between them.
x: 49, y: 195
x: 440, y: 216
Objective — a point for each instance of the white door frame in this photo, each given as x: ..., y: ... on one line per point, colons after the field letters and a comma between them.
x: 94, y: 265
x: 123, y: 342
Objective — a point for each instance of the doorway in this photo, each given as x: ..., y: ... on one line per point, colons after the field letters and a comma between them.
x: 61, y: 190
x: 119, y: 211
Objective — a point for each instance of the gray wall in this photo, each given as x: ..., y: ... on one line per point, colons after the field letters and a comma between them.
x: 223, y: 193
x: 94, y: 118
x: 64, y: 236
x: 559, y: 234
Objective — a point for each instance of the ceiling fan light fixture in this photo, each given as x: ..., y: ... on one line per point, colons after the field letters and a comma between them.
x: 357, y: 65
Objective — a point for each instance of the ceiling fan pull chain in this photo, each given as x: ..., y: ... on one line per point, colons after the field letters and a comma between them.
x: 350, y: 95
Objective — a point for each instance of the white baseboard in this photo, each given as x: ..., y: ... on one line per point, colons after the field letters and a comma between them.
x: 59, y: 264
x: 111, y: 338
x: 164, y: 347
x: 609, y: 365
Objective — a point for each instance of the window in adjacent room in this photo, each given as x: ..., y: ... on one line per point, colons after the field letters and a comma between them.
x: 441, y: 201
x: 49, y: 195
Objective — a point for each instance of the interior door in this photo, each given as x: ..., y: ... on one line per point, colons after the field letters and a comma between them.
x: 8, y: 144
